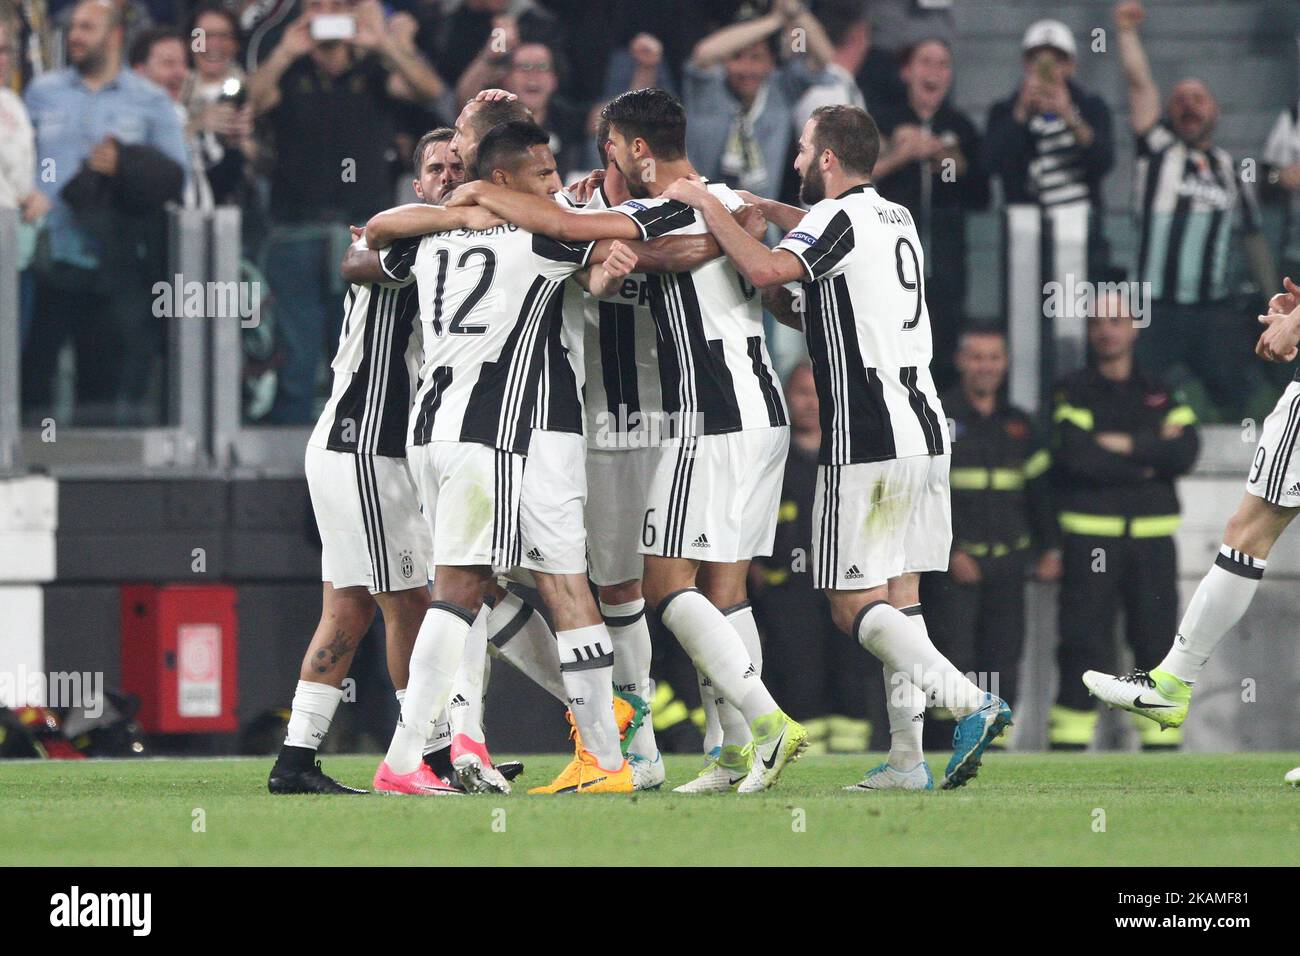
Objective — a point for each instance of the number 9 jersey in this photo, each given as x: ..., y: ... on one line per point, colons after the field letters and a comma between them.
x: 868, y: 329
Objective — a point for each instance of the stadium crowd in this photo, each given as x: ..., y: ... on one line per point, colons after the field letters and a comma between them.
x: 304, y: 114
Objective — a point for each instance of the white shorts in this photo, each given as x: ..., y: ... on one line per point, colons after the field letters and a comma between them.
x: 617, y: 485
x: 715, y: 497
x: 470, y: 494
x: 876, y: 520
x: 552, y: 533
x: 368, y: 514
x: 1275, y: 470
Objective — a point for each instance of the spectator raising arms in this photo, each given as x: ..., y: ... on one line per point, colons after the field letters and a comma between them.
x: 1188, y: 192
x: 740, y: 99
x: 327, y: 104
x: 1050, y: 142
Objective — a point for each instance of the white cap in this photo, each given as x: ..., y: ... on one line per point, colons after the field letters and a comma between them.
x: 1051, y: 33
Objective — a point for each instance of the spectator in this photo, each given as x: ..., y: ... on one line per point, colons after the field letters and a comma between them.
x: 934, y: 165
x: 134, y: 15
x: 219, y: 120
x: 533, y: 77
x: 639, y: 66
x: 896, y: 27
x: 160, y: 57
x: 1282, y: 176
x: 824, y: 682
x: 740, y: 101
x: 1188, y: 193
x: 110, y: 173
x: 1122, y: 437
x: 847, y: 29
x: 480, y: 35
x: 18, y: 170
x: 327, y: 104
x: 1001, y: 519
x: 214, y: 41
x: 1050, y: 143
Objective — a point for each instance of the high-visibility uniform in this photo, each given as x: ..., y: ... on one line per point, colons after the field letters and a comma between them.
x: 1001, y: 516
x: 1118, y: 515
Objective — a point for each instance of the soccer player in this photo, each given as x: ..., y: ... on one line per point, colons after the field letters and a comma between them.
x: 624, y: 410
x: 487, y: 301
x: 713, y: 497
x: 374, y: 547
x: 1272, y: 498
x: 881, y: 507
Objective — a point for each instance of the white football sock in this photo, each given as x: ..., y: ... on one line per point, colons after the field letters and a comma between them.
x: 441, y: 738
x: 1218, y: 604
x: 735, y: 729
x: 465, y: 708
x: 889, y: 635
x: 630, y: 635
x: 718, y: 650
x: 437, y: 653
x: 709, y: 698
x: 905, y: 703
x: 587, y: 665
x: 520, y: 635
x: 313, y: 712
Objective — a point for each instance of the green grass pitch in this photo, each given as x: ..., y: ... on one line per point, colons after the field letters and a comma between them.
x: 1181, y: 810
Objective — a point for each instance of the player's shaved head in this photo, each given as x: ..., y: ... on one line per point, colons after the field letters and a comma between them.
x: 654, y: 116
x: 506, y: 147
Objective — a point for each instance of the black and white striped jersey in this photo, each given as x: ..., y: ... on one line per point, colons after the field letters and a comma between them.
x: 622, y: 391
x: 559, y: 391
x: 1186, y: 200
x: 714, y: 370
x: 868, y: 329
x: 488, y: 300
x: 376, y: 371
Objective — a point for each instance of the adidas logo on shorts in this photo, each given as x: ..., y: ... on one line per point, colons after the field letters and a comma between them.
x: 750, y: 671
x: 853, y: 574
x: 1294, y: 490
x: 458, y: 701
x: 535, y: 555
x: 701, y: 542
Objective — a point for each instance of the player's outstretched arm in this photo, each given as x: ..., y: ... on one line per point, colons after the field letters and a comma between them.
x: 544, y: 216
x: 784, y: 215
x: 762, y: 266
x: 669, y: 254
x: 419, y: 219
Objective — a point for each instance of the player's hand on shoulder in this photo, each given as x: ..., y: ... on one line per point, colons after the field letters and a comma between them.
x: 478, y: 218
x: 688, y: 190
x: 582, y: 190
x: 466, y: 194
